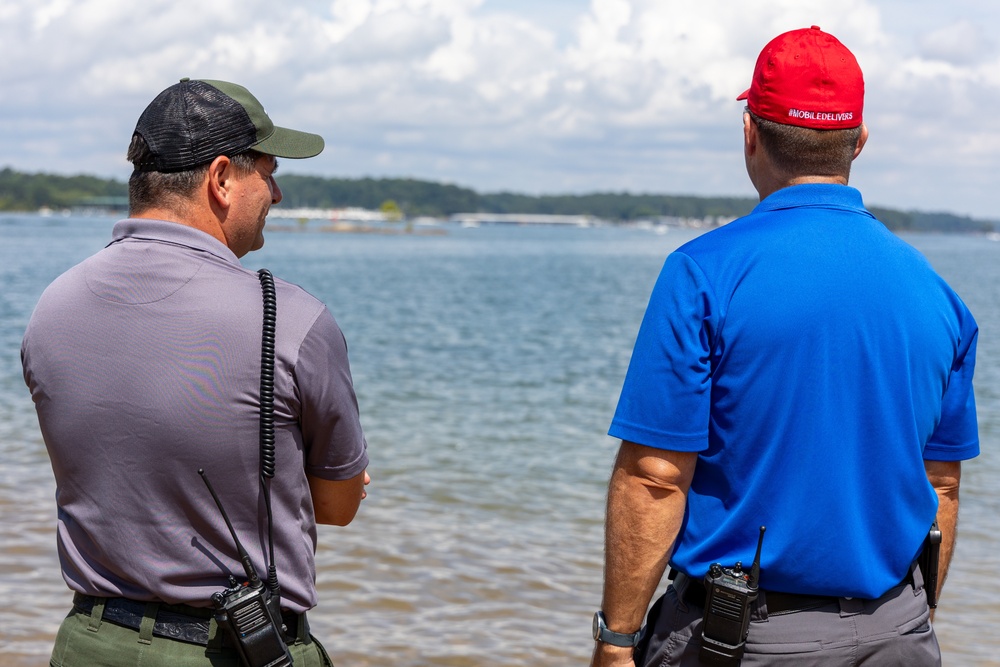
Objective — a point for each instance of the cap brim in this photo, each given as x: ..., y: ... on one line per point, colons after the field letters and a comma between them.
x: 744, y: 95
x: 290, y: 144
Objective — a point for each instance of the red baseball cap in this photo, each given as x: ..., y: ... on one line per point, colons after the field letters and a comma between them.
x: 809, y: 79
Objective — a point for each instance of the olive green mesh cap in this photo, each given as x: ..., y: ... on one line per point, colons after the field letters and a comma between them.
x: 194, y: 121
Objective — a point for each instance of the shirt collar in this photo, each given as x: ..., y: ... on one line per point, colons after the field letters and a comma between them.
x: 164, y: 231
x: 825, y: 195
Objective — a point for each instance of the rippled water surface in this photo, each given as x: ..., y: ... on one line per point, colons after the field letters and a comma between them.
x: 487, y: 363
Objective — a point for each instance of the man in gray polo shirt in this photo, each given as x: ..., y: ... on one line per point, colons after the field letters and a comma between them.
x: 144, y: 365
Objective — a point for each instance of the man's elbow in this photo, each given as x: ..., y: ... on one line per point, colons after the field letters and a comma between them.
x: 659, y: 471
x: 944, y: 476
x: 338, y: 516
x: 336, y: 503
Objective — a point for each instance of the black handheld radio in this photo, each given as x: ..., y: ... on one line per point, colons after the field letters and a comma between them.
x: 929, y: 562
x: 250, y: 614
x: 730, y: 594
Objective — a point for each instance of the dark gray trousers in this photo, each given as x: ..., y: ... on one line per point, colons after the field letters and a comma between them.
x: 891, y: 631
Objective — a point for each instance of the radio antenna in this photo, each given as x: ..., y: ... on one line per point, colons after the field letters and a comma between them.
x: 755, y: 569
x: 252, y: 576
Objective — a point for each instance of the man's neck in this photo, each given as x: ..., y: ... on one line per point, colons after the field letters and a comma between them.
x: 206, y: 224
x: 766, y: 189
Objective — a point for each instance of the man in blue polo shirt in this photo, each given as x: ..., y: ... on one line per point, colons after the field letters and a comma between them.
x: 801, y: 369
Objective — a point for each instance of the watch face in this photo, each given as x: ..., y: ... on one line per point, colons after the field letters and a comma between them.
x: 597, y: 626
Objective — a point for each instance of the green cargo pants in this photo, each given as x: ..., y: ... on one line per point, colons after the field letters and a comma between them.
x: 87, y: 640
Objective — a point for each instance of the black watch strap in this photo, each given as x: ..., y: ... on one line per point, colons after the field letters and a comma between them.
x: 603, y: 634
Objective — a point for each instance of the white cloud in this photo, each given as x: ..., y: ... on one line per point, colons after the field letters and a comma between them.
x: 348, y: 16
x: 630, y: 94
x: 47, y: 12
x: 960, y: 43
x: 453, y: 61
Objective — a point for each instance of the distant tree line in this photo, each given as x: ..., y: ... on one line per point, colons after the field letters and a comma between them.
x: 30, y: 192
x: 413, y: 198
x: 416, y: 198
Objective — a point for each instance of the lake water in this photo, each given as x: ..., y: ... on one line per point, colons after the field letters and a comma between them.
x: 487, y: 363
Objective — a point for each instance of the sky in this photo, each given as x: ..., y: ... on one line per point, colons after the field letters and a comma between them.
x: 531, y: 96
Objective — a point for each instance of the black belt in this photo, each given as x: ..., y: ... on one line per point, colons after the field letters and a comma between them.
x: 181, y: 622
x: 777, y: 603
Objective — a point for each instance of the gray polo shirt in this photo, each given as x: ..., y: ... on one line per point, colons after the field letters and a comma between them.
x: 143, y: 363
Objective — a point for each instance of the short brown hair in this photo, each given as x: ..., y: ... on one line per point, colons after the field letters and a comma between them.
x: 802, y: 151
x: 148, y: 189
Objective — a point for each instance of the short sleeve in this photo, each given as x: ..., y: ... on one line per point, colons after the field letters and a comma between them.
x: 335, y: 447
x: 666, y: 398
x: 956, y: 437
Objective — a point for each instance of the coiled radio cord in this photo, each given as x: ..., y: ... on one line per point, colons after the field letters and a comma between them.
x: 267, y: 454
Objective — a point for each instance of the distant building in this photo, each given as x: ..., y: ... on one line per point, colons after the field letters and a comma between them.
x: 525, y: 219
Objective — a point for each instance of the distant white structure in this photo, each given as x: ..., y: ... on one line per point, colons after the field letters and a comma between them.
x: 353, y: 214
x: 708, y: 222
x: 473, y: 219
x: 350, y: 214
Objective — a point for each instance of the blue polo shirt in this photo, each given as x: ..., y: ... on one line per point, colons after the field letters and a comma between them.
x: 814, y: 361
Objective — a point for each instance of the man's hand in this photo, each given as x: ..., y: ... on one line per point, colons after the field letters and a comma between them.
x: 606, y: 655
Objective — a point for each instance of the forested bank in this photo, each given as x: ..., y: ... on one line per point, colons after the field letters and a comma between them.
x: 30, y: 192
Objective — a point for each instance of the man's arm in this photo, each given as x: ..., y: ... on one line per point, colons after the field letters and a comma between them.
x: 336, y: 503
x: 945, y: 477
x: 646, y: 499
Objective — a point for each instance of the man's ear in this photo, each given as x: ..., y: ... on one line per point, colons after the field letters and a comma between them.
x: 750, y: 136
x: 220, y: 175
x: 862, y: 138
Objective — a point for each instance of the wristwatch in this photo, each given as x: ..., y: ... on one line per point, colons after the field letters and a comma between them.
x: 602, y: 634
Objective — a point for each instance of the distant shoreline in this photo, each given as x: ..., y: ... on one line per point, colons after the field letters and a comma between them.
x: 403, y: 198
